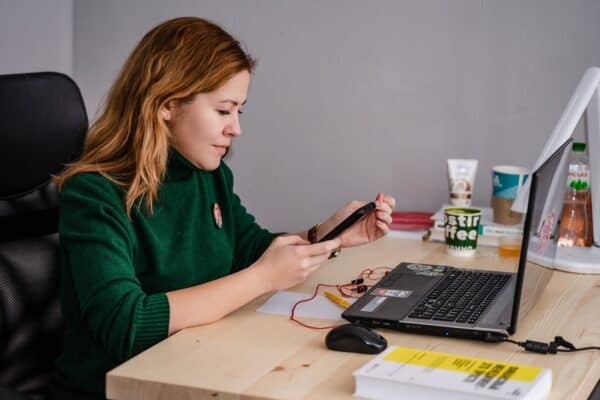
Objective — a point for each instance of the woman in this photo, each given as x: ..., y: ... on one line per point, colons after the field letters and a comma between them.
x: 153, y: 238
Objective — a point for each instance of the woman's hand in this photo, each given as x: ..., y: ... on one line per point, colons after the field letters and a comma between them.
x: 375, y: 225
x: 290, y: 259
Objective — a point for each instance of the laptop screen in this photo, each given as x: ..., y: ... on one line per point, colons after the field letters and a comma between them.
x: 540, y: 231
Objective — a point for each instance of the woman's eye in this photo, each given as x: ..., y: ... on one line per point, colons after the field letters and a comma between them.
x: 225, y: 112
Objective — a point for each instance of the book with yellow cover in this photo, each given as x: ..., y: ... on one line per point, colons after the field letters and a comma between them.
x: 407, y: 373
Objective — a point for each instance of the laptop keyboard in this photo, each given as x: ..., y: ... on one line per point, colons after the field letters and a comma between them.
x: 461, y: 297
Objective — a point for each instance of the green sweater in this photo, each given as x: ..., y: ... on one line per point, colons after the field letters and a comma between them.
x: 115, y: 271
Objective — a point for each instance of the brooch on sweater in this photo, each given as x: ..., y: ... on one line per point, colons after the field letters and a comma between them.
x: 217, y: 216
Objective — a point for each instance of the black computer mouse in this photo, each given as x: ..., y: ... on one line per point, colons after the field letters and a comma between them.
x: 355, y: 339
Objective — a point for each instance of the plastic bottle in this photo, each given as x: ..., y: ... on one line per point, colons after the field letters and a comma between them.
x: 576, y: 220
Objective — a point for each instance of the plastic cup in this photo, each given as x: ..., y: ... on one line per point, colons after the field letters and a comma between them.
x: 510, y: 246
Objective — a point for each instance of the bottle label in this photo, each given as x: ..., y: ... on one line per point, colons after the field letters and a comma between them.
x: 578, y: 178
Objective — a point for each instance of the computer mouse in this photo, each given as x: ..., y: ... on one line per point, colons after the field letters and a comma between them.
x: 355, y: 339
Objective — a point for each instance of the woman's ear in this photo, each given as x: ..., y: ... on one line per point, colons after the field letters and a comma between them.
x: 166, y: 111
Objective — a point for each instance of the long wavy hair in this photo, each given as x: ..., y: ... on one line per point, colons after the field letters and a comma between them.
x: 129, y: 141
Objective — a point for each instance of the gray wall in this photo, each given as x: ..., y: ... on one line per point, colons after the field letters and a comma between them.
x: 36, y: 35
x: 349, y: 98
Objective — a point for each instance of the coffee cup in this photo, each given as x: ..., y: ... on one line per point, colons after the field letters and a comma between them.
x: 507, y: 181
x: 461, y: 229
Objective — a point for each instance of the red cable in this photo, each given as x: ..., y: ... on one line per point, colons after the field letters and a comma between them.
x: 370, y: 274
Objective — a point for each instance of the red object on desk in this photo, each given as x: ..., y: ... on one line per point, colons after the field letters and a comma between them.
x: 411, y: 220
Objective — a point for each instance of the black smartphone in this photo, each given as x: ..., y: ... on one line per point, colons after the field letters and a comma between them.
x: 349, y: 221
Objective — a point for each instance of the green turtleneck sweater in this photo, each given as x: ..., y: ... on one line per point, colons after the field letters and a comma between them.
x: 115, y: 271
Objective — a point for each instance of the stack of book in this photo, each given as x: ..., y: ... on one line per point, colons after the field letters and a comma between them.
x: 411, y: 220
x: 405, y: 373
x: 489, y: 232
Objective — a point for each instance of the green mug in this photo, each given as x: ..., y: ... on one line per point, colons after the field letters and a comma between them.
x: 461, y: 226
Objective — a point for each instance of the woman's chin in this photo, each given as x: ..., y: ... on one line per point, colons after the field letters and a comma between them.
x: 214, y: 164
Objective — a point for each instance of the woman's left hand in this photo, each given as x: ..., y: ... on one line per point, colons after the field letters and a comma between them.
x: 370, y: 228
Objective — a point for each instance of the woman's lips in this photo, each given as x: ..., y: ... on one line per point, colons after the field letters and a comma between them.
x: 221, y: 150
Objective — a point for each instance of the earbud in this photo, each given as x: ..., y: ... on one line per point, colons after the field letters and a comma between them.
x: 360, y: 288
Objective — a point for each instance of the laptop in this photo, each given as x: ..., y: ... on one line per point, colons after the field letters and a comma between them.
x: 474, y: 303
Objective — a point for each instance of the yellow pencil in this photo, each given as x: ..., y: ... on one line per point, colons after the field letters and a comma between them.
x: 337, y: 300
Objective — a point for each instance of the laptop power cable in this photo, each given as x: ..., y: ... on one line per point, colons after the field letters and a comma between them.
x: 559, y: 344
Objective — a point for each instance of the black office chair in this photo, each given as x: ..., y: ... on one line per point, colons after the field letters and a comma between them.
x: 42, y: 126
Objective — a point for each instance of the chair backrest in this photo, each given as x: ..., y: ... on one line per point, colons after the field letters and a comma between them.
x: 42, y: 127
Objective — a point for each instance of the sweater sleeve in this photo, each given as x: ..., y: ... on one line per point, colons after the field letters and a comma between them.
x: 251, y: 240
x: 97, y: 238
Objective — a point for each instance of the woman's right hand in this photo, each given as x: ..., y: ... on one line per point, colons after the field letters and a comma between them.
x: 290, y: 259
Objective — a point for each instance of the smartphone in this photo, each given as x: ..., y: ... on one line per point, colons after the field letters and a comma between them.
x: 348, y: 222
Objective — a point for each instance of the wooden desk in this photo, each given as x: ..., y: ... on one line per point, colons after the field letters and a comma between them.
x: 249, y: 355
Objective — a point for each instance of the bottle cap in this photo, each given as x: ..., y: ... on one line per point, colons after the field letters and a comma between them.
x: 578, y: 146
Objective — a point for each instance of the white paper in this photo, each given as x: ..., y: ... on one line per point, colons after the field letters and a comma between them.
x: 320, y: 307
x: 400, y: 234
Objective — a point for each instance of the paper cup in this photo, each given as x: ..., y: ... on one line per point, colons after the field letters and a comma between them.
x: 507, y: 181
x: 461, y: 226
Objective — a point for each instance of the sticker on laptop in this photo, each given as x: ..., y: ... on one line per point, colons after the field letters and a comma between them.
x: 439, y: 268
x: 401, y: 294
x: 419, y: 267
x: 429, y: 273
x: 427, y: 270
x: 373, y: 304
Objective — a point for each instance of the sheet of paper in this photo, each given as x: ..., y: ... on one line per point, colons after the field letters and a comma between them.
x: 319, y: 307
x: 415, y: 235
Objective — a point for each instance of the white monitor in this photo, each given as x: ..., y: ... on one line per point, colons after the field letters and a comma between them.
x: 585, y: 99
